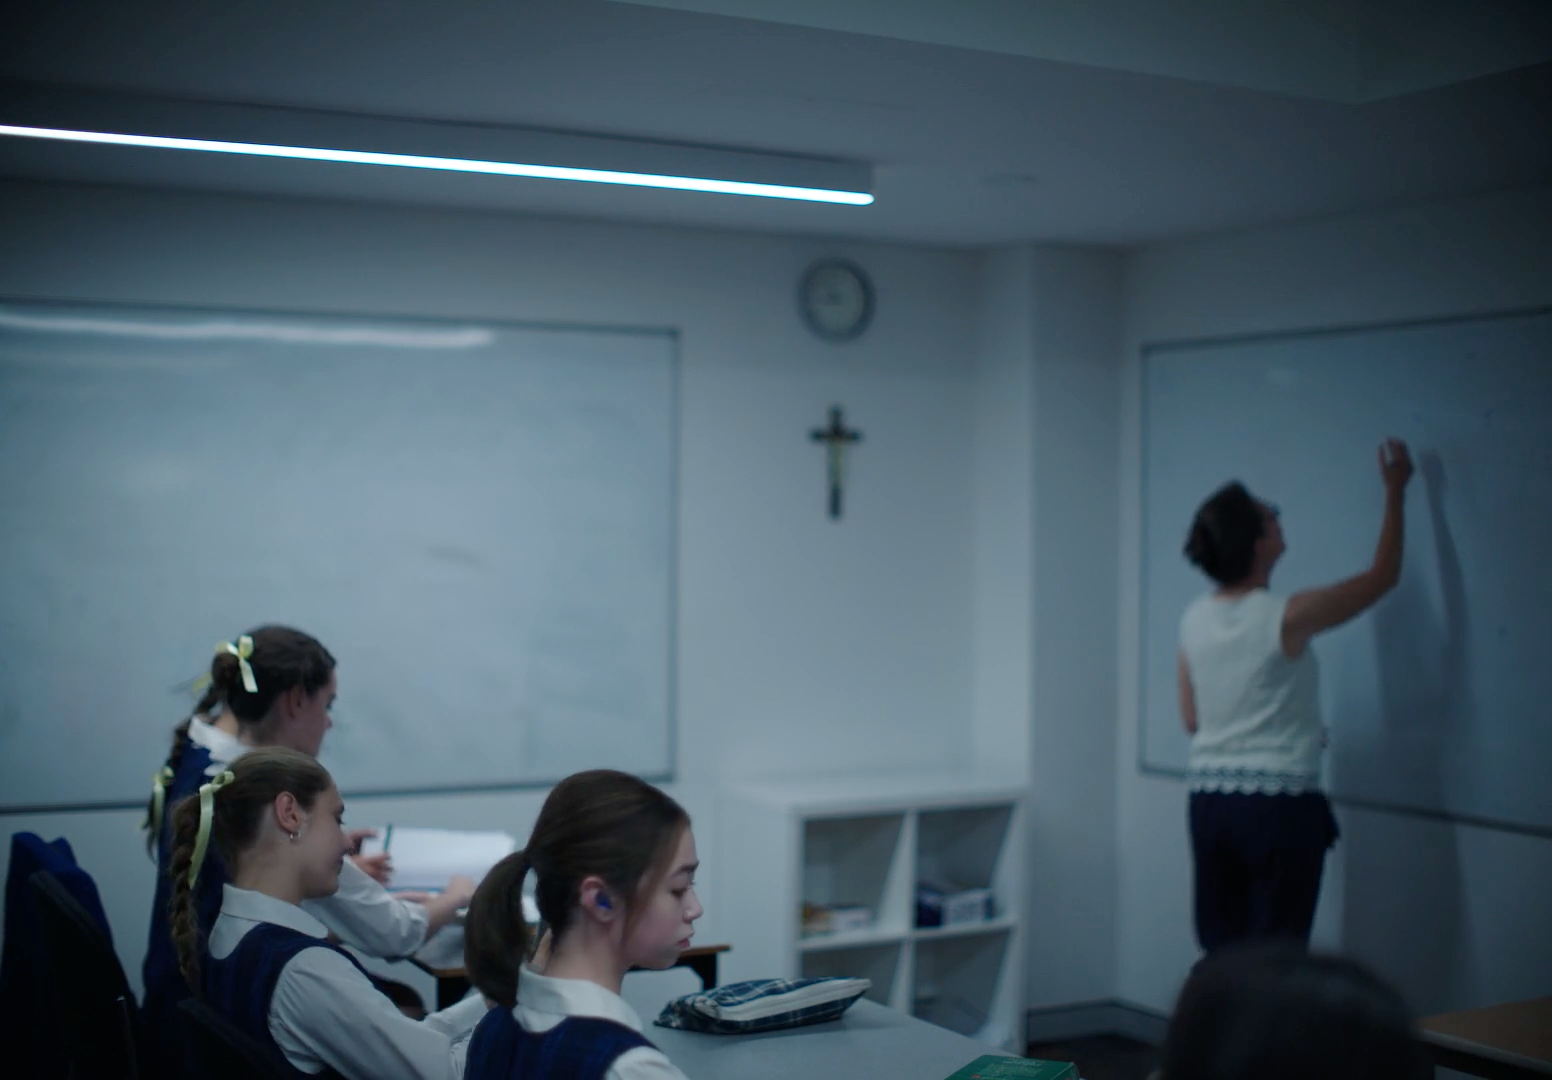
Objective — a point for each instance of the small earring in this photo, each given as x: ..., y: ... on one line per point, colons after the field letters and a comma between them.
x: 295, y: 836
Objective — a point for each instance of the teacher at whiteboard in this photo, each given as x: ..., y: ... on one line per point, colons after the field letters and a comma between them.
x: 1260, y: 824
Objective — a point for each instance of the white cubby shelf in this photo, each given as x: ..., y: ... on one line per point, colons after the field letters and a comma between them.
x: 868, y: 841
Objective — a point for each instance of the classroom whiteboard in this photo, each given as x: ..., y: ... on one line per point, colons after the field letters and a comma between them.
x: 478, y: 520
x: 1439, y: 700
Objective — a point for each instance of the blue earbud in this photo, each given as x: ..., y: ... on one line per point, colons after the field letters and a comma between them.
x: 603, y: 902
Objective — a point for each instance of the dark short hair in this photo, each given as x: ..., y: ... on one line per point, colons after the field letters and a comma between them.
x: 1276, y: 1012
x: 1222, y: 541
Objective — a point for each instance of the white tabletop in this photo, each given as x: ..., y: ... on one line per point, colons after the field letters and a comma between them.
x: 869, y: 1041
x: 445, y: 949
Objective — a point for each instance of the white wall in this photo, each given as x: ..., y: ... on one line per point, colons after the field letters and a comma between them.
x: 1004, y: 508
x: 1046, y: 464
x: 1076, y: 433
x: 804, y: 644
x: 1455, y: 915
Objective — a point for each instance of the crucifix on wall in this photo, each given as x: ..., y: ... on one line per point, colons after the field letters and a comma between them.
x: 837, y: 437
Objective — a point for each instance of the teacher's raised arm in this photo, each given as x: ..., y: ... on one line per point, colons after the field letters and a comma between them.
x: 1314, y: 610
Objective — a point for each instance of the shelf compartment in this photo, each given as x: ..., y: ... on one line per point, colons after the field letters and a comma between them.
x: 957, y: 979
x: 855, y: 860
x: 880, y: 963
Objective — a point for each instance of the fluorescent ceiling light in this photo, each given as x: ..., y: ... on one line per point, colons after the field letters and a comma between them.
x: 450, y: 164
x: 250, y: 330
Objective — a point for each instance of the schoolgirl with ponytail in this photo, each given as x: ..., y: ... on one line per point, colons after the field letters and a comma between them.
x: 614, y: 867
x: 274, y: 819
x: 273, y: 686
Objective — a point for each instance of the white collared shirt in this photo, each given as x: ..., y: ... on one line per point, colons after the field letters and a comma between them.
x: 325, y: 1013
x: 362, y: 913
x: 543, y: 1002
x: 224, y: 747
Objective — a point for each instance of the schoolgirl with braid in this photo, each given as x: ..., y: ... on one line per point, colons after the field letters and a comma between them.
x: 276, y: 821
x: 273, y: 686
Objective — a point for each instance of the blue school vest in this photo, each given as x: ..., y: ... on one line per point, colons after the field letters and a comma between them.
x: 577, y: 1048
x: 163, y: 982
x: 241, y: 986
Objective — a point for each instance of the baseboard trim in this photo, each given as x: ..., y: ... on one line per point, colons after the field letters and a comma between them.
x: 1111, y: 1016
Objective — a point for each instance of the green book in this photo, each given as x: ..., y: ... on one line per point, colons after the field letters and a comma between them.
x: 992, y: 1067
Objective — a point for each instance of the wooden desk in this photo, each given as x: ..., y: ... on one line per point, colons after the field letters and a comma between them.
x: 1504, y: 1041
x: 453, y: 982
x: 870, y: 1042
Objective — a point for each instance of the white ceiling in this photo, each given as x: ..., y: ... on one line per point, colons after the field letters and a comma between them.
x: 970, y: 146
x: 1338, y: 50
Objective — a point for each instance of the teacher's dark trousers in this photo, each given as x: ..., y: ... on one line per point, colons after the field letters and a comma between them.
x: 1259, y: 860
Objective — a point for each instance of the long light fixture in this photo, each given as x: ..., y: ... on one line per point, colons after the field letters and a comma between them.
x: 449, y: 164
x: 259, y: 328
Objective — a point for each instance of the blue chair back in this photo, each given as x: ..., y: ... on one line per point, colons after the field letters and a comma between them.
x: 220, y: 1048
x: 34, y: 1026
x: 91, y: 996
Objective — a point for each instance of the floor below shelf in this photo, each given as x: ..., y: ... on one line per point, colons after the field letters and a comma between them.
x: 1101, y: 1057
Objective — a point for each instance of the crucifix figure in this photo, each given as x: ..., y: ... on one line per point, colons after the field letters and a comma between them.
x: 836, y: 438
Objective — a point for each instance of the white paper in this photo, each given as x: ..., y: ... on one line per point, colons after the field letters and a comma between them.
x: 424, y: 859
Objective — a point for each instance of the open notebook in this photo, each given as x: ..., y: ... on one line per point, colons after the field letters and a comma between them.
x: 424, y: 859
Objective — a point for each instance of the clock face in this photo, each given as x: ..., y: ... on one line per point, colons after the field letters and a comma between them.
x: 837, y: 300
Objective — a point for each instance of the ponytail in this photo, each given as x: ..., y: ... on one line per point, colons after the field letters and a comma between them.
x: 156, y: 805
x: 496, y: 937
x: 183, y: 913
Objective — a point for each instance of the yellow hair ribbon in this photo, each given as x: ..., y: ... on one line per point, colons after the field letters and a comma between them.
x: 207, y: 814
x: 159, y: 781
x: 243, y: 650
